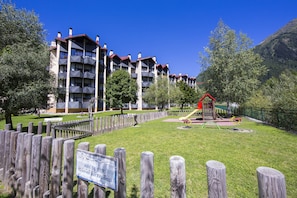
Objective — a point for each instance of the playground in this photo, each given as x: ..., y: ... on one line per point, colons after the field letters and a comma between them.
x: 206, y: 115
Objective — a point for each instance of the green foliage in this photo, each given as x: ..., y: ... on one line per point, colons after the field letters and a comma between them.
x: 231, y: 69
x: 24, y: 80
x: 159, y: 93
x: 120, y: 89
x: 188, y: 95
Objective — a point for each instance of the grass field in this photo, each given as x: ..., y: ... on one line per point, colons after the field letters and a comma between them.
x: 241, y: 153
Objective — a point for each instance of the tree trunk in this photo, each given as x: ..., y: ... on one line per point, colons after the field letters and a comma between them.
x: 228, y: 109
x: 122, y: 110
x: 8, y: 119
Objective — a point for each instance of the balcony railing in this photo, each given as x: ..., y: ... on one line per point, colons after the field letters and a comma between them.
x: 89, y: 90
x: 74, y: 105
x: 146, y: 84
x: 89, y: 75
x: 62, y: 75
x: 60, y: 105
x: 63, y: 61
x: 134, y: 75
x: 147, y: 74
x: 75, y: 89
x: 76, y: 59
x: 77, y: 74
x: 89, y: 60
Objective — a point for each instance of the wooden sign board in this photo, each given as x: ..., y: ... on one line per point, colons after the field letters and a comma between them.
x: 99, y: 169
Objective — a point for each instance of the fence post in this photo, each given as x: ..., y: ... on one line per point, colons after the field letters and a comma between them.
x: 147, y: 175
x: 98, y: 191
x: 68, y: 171
x: 2, y: 152
x: 32, y: 185
x: 44, y: 176
x: 6, y: 155
x: 82, y: 186
x: 48, y: 128
x: 39, y: 129
x: 216, y: 179
x: 177, y: 177
x: 56, y: 167
x: 19, y: 127
x: 271, y: 183
x: 120, y: 154
x: 10, y: 169
x: 30, y: 127
x: 26, y: 164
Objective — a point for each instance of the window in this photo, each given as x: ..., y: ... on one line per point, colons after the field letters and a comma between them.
x: 76, y: 52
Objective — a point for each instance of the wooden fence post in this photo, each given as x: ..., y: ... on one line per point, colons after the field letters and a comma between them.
x: 20, y: 157
x: 56, y: 167
x: 44, y: 176
x: 32, y: 186
x: 48, y: 128
x: 19, y: 127
x: 216, y: 179
x: 98, y: 191
x: 147, y: 175
x: 271, y: 183
x: 68, y: 171
x: 177, y: 177
x: 82, y: 186
x: 2, y: 152
x: 10, y: 168
x: 120, y: 154
x: 26, y: 164
x: 30, y: 127
x: 6, y: 155
x: 39, y: 129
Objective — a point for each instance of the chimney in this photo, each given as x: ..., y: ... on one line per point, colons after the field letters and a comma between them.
x: 97, y: 39
x: 129, y: 55
x: 59, y: 35
x: 70, y: 31
x: 105, y: 46
x: 139, y: 55
x: 110, y: 52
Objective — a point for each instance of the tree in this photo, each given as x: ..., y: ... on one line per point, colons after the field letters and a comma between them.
x: 159, y: 93
x: 231, y: 70
x: 188, y: 95
x: 120, y: 89
x: 24, y: 81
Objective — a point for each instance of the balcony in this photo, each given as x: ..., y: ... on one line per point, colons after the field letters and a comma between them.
x: 60, y: 105
x: 76, y: 59
x: 147, y: 74
x: 134, y: 75
x: 61, y: 90
x: 89, y: 75
x: 62, y: 75
x: 89, y: 60
x: 76, y: 74
x: 74, y: 105
x: 75, y: 89
x: 63, y: 61
x: 89, y: 90
x: 146, y: 84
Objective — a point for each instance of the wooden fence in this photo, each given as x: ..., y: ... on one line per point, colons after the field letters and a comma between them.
x: 36, y: 166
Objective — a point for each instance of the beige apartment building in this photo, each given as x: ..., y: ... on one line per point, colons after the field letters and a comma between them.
x: 81, y: 66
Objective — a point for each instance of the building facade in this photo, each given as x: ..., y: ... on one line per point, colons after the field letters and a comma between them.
x: 81, y: 66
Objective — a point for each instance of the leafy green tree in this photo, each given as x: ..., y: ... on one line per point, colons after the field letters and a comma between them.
x: 160, y: 93
x: 24, y: 80
x: 188, y: 95
x: 120, y: 89
x: 231, y: 70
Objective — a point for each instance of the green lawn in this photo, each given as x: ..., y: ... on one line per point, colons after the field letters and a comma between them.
x: 241, y: 153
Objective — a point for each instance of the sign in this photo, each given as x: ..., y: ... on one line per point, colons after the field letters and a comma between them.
x: 100, y: 169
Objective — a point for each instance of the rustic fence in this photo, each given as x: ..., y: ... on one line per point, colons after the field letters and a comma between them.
x: 36, y: 166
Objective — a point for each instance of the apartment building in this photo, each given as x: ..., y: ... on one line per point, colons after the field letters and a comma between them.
x: 81, y: 67
x: 191, y: 81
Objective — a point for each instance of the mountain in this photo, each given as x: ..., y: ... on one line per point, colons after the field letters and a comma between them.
x: 279, y: 50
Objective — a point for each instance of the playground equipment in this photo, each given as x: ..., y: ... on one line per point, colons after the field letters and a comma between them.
x: 206, y: 104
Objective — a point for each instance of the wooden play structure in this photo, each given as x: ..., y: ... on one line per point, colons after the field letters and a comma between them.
x: 207, y: 104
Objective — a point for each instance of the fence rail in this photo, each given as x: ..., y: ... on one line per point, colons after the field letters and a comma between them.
x: 32, y: 166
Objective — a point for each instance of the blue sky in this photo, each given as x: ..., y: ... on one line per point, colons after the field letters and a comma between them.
x: 174, y: 31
